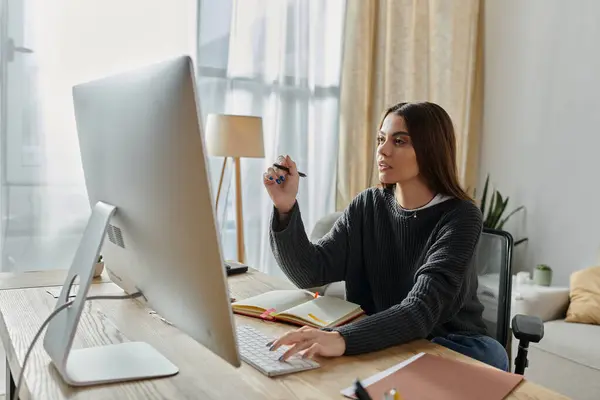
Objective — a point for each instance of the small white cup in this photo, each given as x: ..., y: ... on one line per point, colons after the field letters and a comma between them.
x: 523, y: 278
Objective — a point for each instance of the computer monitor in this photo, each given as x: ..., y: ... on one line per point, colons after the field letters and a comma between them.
x: 147, y: 179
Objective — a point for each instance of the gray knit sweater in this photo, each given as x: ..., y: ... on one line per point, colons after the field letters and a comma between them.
x: 411, y: 271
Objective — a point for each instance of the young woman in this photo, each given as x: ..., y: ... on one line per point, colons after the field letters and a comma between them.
x: 404, y: 250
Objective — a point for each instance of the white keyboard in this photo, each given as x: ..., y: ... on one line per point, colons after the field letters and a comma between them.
x: 254, y: 351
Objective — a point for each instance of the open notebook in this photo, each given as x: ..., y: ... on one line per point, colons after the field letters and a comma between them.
x: 299, y: 307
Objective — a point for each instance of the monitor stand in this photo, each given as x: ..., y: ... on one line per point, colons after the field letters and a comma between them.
x: 103, y: 364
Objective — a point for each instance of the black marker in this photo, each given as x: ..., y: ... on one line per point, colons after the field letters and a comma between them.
x: 286, y: 169
x: 361, y: 392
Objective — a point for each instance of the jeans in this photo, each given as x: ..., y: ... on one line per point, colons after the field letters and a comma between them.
x: 479, y: 347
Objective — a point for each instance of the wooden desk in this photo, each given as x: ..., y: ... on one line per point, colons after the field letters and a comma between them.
x: 202, y: 374
x: 54, y: 277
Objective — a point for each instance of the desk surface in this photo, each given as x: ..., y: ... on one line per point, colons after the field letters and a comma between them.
x: 202, y: 374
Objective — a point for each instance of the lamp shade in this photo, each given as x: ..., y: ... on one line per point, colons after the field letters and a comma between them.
x: 234, y: 136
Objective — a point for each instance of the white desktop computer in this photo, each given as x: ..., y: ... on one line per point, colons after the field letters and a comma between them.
x: 153, y: 221
x: 147, y: 180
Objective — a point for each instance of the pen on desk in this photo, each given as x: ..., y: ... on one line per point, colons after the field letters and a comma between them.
x: 286, y: 169
x: 360, y: 391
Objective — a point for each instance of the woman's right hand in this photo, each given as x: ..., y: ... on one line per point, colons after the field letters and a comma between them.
x: 281, y: 185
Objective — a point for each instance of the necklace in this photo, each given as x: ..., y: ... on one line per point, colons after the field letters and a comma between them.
x: 412, y: 214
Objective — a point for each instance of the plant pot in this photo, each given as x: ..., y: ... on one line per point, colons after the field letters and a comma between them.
x: 542, y: 277
x: 98, y: 269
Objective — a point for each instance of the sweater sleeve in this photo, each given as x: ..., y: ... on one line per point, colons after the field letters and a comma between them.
x: 312, y: 264
x: 438, y: 292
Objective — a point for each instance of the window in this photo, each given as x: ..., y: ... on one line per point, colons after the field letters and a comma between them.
x: 44, y: 203
x: 277, y: 59
x: 280, y: 60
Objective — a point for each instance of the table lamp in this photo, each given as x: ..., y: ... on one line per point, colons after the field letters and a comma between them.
x: 234, y: 136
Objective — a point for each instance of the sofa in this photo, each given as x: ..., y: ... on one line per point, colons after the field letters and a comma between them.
x: 566, y: 360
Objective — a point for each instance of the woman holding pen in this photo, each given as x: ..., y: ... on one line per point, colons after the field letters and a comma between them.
x: 404, y: 250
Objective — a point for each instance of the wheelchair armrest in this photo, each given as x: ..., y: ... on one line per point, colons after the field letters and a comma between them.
x: 528, y: 328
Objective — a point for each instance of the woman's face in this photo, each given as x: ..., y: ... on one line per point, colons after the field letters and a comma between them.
x: 396, y: 158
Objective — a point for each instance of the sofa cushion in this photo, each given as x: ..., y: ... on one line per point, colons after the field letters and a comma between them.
x: 324, y: 225
x: 547, y: 302
x: 569, y: 378
x: 573, y: 341
x: 585, y: 297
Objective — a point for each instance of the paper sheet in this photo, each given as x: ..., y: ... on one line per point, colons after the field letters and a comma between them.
x: 349, y: 391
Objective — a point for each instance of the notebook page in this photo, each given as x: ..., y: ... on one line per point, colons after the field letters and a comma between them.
x: 323, y: 310
x: 280, y: 300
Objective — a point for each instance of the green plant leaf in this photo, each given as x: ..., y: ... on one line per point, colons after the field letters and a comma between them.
x: 500, y: 208
x: 516, y: 210
x: 518, y: 242
x: 496, y: 209
x: 485, y: 191
x: 489, y: 218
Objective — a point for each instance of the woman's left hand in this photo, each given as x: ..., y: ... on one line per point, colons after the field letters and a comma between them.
x: 312, y: 341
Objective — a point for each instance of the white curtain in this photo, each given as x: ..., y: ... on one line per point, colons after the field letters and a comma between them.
x: 48, y: 46
x: 279, y: 59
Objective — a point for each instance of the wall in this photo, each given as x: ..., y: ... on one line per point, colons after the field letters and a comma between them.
x: 541, y: 133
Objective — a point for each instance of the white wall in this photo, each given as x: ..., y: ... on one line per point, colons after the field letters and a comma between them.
x: 541, y: 134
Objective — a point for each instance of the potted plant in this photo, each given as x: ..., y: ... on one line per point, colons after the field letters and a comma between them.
x: 495, y: 215
x: 542, y: 275
x: 495, y: 218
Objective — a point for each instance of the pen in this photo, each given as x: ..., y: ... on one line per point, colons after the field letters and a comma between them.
x: 286, y: 169
x: 316, y: 319
x: 360, y: 392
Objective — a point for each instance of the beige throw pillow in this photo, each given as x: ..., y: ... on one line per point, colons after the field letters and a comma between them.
x: 584, y: 306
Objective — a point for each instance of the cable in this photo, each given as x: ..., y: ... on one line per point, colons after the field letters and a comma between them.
x: 47, y: 321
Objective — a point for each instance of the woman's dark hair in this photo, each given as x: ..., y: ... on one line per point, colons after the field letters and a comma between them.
x: 432, y: 136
